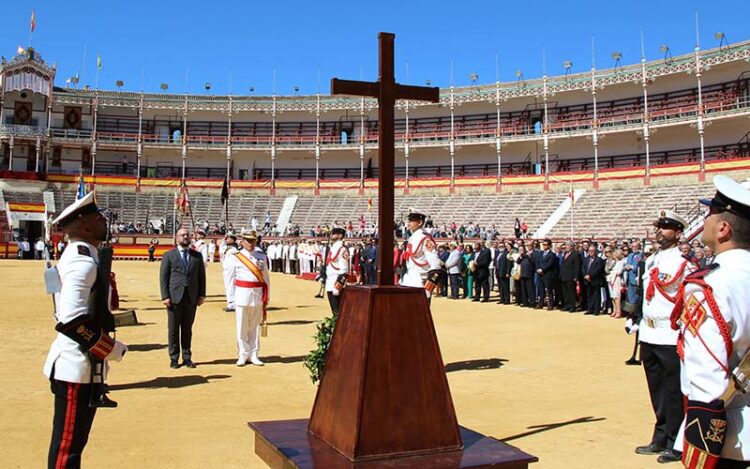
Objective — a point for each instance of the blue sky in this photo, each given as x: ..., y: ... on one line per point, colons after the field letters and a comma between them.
x: 236, y: 45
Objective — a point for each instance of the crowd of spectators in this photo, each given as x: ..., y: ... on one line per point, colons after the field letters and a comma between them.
x: 596, y: 277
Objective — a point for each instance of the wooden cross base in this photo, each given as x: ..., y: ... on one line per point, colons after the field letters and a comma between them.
x: 286, y: 444
x: 384, y: 391
x: 384, y: 399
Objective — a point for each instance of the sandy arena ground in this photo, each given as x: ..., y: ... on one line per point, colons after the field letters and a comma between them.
x: 551, y: 383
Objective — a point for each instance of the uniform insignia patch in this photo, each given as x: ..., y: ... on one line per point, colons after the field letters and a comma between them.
x: 84, y: 250
x: 85, y: 333
x: 664, y: 277
x: 693, y: 315
x: 429, y: 245
x: 345, y: 254
x: 716, y: 432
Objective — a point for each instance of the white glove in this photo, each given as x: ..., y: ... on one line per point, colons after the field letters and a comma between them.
x: 118, y: 351
x: 630, y: 327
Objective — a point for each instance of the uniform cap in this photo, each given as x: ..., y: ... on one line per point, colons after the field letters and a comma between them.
x: 249, y: 235
x: 416, y: 214
x: 668, y: 217
x: 730, y: 196
x: 79, y: 208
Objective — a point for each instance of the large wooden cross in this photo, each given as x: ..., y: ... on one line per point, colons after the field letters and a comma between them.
x: 387, y: 91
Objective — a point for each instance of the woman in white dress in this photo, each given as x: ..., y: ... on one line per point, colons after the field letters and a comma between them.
x: 614, y: 280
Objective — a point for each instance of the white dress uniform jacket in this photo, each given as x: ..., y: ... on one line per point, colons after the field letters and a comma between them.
x: 702, y: 378
x: 655, y: 327
x: 78, y: 273
x: 421, y: 257
x: 250, y: 296
x: 228, y: 272
x: 337, y: 264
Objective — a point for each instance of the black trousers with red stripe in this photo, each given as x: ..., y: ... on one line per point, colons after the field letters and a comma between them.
x: 71, y: 424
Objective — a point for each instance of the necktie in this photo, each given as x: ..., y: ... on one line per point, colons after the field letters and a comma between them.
x: 185, y: 258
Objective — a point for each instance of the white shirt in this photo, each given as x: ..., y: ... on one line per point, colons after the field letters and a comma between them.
x: 77, y: 272
x: 453, y: 264
x: 337, y: 263
x: 702, y: 378
x: 659, y: 308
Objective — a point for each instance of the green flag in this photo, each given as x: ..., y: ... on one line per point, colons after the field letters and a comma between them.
x: 98, y: 62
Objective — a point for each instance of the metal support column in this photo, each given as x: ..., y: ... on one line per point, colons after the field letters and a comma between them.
x: 452, y: 143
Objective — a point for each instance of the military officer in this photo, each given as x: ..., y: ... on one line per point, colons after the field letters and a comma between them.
x: 420, y: 255
x: 661, y: 279
x: 80, y: 336
x: 251, y: 296
x: 227, y: 263
x: 200, y: 244
x: 337, y: 268
x: 712, y: 315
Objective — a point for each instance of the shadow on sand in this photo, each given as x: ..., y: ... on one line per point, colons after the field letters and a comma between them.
x: 170, y: 382
x: 534, y: 429
x: 478, y: 364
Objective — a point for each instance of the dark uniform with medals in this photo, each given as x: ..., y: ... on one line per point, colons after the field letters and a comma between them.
x: 81, y: 342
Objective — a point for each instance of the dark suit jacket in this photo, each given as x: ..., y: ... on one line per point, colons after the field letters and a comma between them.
x: 503, y: 266
x: 595, y: 270
x: 527, y: 267
x: 482, y: 263
x: 173, y: 278
x: 548, y: 264
x: 571, y: 267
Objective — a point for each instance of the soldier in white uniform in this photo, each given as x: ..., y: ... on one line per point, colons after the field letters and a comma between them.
x: 337, y: 268
x: 80, y: 336
x: 211, y: 250
x: 230, y: 247
x: 420, y: 255
x: 223, y: 248
x: 200, y: 244
x: 252, y: 293
x: 665, y: 271
x: 713, y: 317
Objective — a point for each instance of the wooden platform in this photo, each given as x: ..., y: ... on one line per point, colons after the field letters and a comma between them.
x: 286, y: 444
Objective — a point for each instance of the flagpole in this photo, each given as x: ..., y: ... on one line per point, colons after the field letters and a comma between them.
x: 572, y: 203
x: 174, y: 218
x: 98, y: 69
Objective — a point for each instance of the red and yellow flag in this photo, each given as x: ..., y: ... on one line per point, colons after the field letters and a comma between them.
x: 33, y: 21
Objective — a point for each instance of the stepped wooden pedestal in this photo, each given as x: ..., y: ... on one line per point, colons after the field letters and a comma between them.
x: 384, y: 399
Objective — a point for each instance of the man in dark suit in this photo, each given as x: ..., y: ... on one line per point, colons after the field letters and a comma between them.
x: 482, y: 273
x: 503, y: 267
x: 371, y: 263
x: 536, y: 260
x: 584, y: 255
x: 183, y: 288
x: 593, y: 278
x: 569, y: 274
x: 547, y: 272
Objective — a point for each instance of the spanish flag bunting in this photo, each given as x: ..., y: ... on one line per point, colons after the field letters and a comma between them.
x: 33, y: 21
